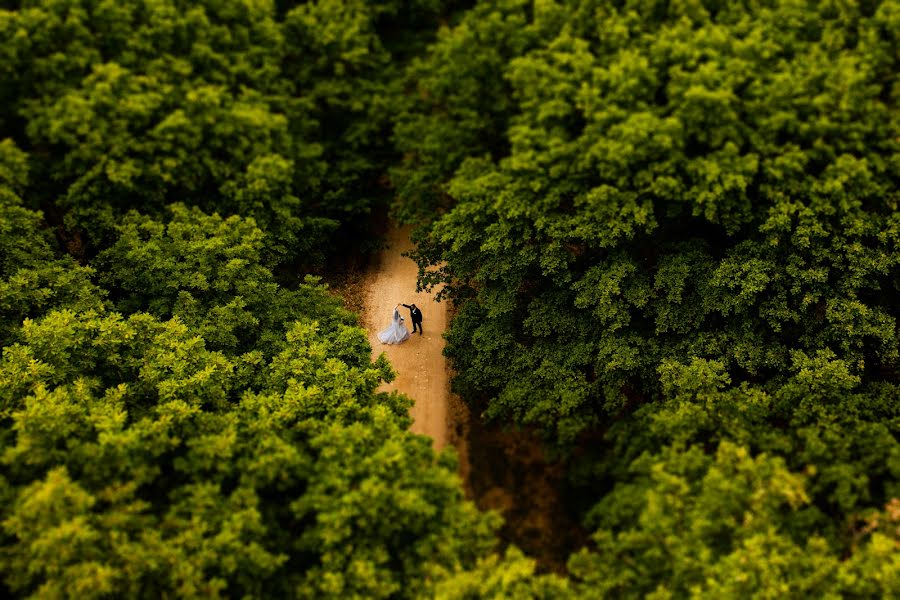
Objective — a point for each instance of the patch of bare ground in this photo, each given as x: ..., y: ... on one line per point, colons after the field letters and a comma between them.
x: 349, y: 285
x: 508, y: 471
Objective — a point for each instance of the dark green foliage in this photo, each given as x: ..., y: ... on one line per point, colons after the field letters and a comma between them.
x: 670, y: 230
x: 32, y: 278
x: 148, y: 99
x: 695, y: 525
x: 209, y: 272
x: 193, y: 428
x: 846, y: 432
x: 143, y: 460
x: 674, y: 226
x: 234, y: 107
x: 141, y: 463
x: 456, y: 103
x: 656, y: 203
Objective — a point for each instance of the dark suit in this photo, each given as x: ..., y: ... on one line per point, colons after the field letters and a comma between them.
x: 415, y: 316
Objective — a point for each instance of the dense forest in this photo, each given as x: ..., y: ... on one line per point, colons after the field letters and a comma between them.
x: 669, y: 230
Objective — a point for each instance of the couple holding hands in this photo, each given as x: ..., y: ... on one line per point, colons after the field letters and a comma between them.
x: 397, y: 332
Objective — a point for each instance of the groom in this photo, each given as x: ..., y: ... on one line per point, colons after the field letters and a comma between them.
x: 415, y: 316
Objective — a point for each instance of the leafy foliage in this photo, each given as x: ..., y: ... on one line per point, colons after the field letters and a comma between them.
x: 209, y: 272
x: 279, y: 113
x: 673, y: 227
x: 654, y: 202
x: 138, y: 461
x: 174, y: 422
x: 32, y: 278
x: 694, y: 525
x: 670, y: 230
x: 509, y: 576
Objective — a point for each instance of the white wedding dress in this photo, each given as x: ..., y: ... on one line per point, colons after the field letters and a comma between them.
x: 396, y: 333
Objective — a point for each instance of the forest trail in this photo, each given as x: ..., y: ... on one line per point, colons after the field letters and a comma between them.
x: 419, y: 362
x: 512, y: 476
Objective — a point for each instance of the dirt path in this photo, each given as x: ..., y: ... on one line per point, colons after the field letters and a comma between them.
x: 513, y: 475
x: 419, y: 362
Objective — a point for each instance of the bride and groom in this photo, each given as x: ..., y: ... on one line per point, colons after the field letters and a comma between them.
x: 397, y: 332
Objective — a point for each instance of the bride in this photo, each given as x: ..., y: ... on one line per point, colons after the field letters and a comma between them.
x: 397, y: 332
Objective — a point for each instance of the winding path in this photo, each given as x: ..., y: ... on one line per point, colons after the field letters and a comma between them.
x: 419, y: 362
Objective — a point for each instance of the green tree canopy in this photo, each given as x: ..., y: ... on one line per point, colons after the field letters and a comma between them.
x: 33, y: 278
x: 673, y: 227
x: 699, y: 526
x: 209, y: 272
x: 276, y: 112
x: 681, y: 181
x: 139, y: 462
x: 670, y: 229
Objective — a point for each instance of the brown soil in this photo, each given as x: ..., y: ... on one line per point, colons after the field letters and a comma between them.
x: 349, y: 286
x: 510, y: 473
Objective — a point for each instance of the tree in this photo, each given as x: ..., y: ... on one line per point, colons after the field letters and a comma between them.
x: 670, y: 231
x: 511, y: 575
x: 655, y: 204
x: 33, y: 279
x: 140, y: 462
x: 678, y: 231
x: 270, y: 111
x: 211, y: 273
x: 693, y: 525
